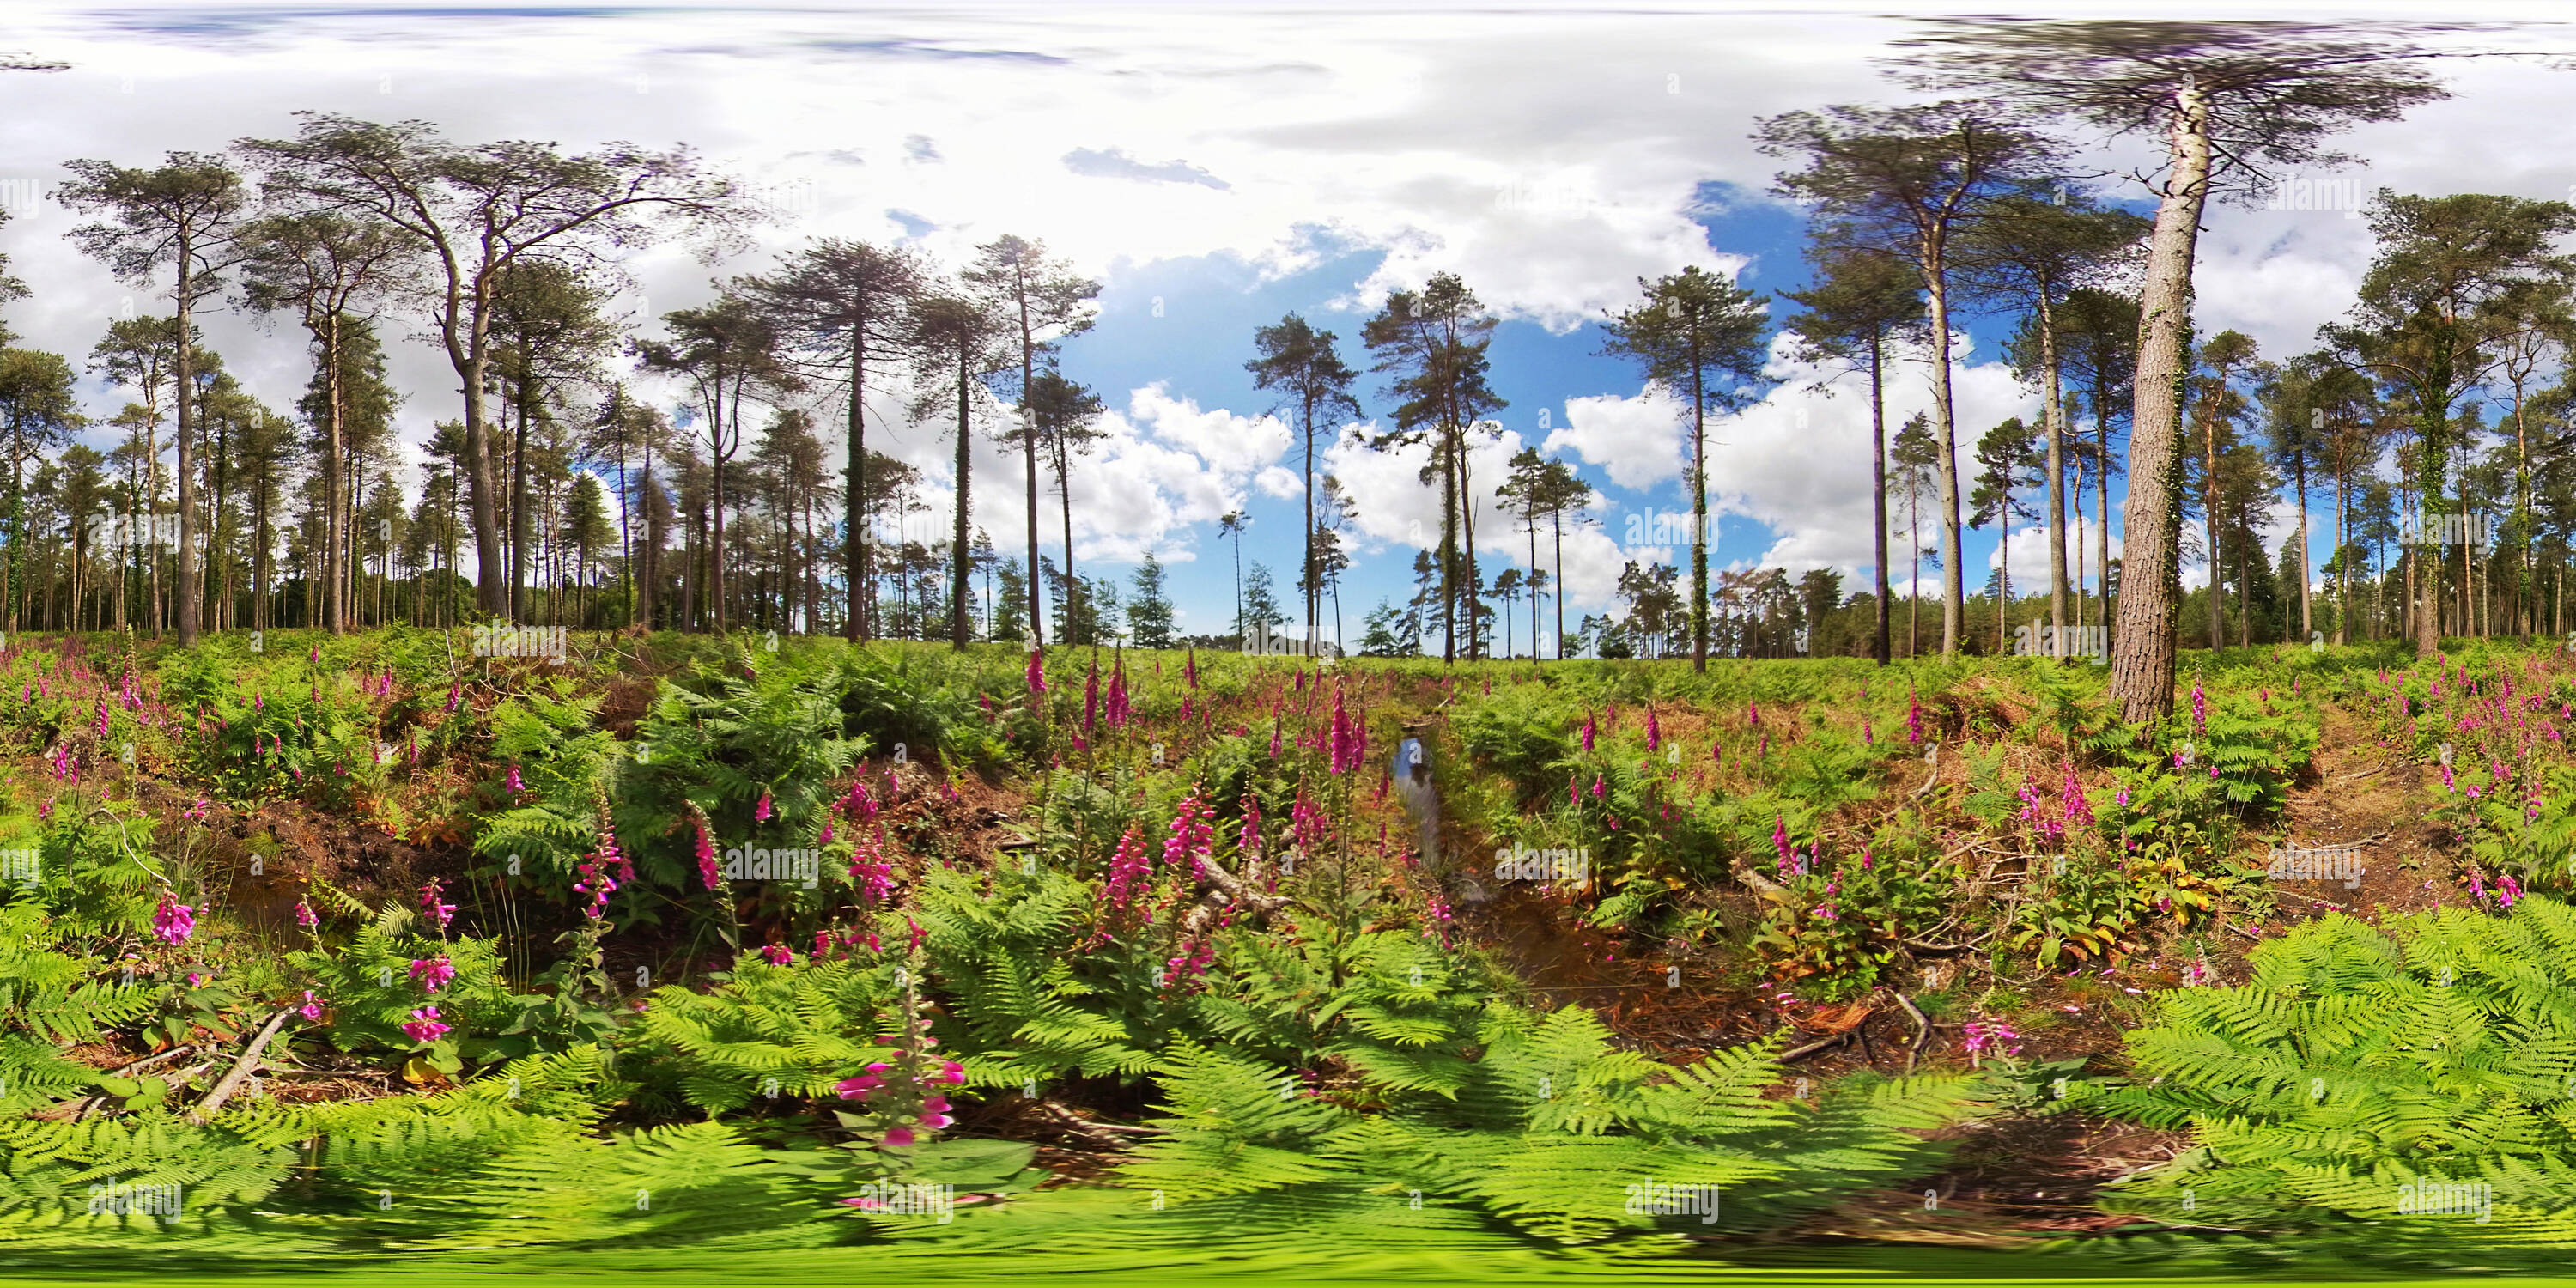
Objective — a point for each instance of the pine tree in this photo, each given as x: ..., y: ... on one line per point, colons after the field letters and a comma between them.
x: 1149, y: 614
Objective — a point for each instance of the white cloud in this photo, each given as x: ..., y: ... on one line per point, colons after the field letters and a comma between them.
x: 1641, y: 441
x: 1160, y: 465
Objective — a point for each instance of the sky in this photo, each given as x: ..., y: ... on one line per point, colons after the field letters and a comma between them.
x: 1216, y: 168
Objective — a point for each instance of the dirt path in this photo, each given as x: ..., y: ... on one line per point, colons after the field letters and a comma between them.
x: 2360, y: 805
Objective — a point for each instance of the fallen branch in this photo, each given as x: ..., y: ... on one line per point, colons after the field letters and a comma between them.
x: 1811, y: 1048
x: 1760, y: 883
x: 240, y: 1072
x: 2322, y: 903
x: 173, y: 1053
x: 1236, y: 892
x: 1070, y: 1119
x: 1922, y: 1030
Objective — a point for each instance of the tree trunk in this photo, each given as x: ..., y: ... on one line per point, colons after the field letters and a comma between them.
x: 1029, y: 453
x: 187, y: 569
x: 2209, y: 508
x: 957, y: 553
x: 519, y: 515
x: 1877, y: 492
x: 1448, y: 544
x: 1311, y: 582
x: 1699, y: 500
x: 1556, y: 521
x: 2055, y: 414
x: 1955, y: 586
x: 856, y: 630
x: 2299, y: 466
x: 2142, y: 665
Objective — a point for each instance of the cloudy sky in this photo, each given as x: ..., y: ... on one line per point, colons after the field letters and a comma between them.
x: 1217, y: 168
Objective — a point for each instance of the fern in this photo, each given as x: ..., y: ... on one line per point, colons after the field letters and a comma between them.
x: 2359, y: 1060
x: 1548, y: 1130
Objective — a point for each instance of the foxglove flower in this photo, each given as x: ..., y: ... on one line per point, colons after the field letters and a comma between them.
x: 1345, y: 755
x: 1985, y: 1035
x: 707, y: 869
x: 430, y: 907
x: 1037, y: 671
x: 2079, y: 812
x: 312, y: 1008
x: 173, y: 921
x: 425, y: 1025
x: 431, y: 973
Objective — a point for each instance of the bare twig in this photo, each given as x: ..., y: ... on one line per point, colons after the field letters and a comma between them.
x: 1922, y: 1030
x: 173, y: 1053
x: 233, y: 1078
x: 1068, y: 1118
x: 2293, y: 894
x: 1800, y: 1052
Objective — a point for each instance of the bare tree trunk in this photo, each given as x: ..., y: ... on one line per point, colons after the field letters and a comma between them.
x: 1955, y: 597
x: 856, y: 630
x: 957, y: 555
x: 187, y: 569
x: 2056, y: 417
x: 2142, y: 664
x: 2209, y: 508
x: 1877, y: 494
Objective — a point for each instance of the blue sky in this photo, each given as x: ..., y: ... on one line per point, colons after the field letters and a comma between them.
x: 1232, y: 166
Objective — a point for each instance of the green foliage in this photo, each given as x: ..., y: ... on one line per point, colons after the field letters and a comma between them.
x: 766, y: 1034
x: 1549, y: 1130
x: 2359, y: 1062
